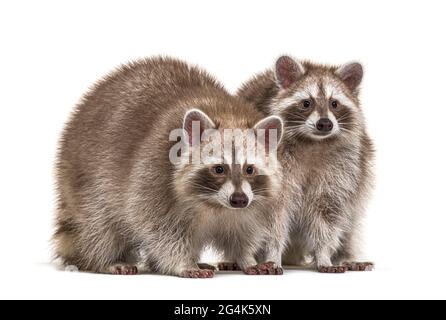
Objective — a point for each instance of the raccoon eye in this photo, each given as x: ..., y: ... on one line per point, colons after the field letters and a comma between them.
x: 334, y: 104
x: 306, y: 104
x: 219, y: 169
x: 250, y: 170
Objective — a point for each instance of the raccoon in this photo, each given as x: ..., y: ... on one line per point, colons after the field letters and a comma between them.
x: 124, y: 206
x: 328, y: 156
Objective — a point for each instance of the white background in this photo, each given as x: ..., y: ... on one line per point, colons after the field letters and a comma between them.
x: 52, y: 51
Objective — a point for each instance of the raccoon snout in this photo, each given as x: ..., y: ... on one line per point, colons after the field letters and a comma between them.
x: 239, y: 200
x: 324, y: 125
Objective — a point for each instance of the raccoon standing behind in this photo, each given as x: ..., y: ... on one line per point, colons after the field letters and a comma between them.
x: 326, y: 153
x: 124, y: 205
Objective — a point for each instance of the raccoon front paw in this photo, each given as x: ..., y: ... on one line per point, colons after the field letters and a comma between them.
x: 207, y: 266
x: 123, y: 269
x: 359, y: 266
x: 228, y: 266
x: 267, y: 268
x: 197, y: 273
x: 332, y: 269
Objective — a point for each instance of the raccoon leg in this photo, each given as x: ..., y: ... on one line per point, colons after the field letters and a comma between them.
x: 344, y: 258
x: 270, y: 256
x: 107, y: 255
x: 243, y: 256
x: 65, y: 241
x: 295, y: 254
x: 327, y: 241
x: 131, y: 264
x: 274, y: 246
x: 186, y: 269
x: 323, y: 261
x: 248, y: 264
x: 347, y: 253
x: 177, y: 258
x: 324, y: 265
x: 125, y: 264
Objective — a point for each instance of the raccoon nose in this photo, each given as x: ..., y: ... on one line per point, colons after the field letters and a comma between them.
x: 238, y: 200
x: 324, y: 125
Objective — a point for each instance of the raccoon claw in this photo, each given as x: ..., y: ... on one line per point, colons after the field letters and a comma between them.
x: 359, y: 266
x: 268, y: 268
x: 333, y: 269
x: 127, y: 270
x: 228, y: 266
x: 198, y: 273
x: 207, y: 266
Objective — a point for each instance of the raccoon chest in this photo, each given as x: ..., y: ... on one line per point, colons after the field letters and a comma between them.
x: 314, y: 167
x: 228, y: 232
x: 337, y: 178
x: 331, y: 180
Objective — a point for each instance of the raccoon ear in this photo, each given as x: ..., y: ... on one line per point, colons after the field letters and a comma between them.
x: 271, y: 123
x: 288, y: 71
x: 351, y: 74
x: 198, y: 119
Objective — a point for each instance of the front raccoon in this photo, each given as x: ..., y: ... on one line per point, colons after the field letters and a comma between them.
x: 328, y: 152
x: 234, y: 194
x: 124, y: 202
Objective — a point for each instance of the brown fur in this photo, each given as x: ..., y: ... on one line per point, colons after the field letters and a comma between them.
x: 327, y: 181
x: 123, y: 203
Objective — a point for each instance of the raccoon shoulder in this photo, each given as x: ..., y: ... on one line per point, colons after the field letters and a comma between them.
x: 260, y: 90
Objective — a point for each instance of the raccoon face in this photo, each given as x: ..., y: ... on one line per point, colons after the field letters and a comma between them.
x: 231, y: 186
x: 317, y: 102
x: 231, y: 181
